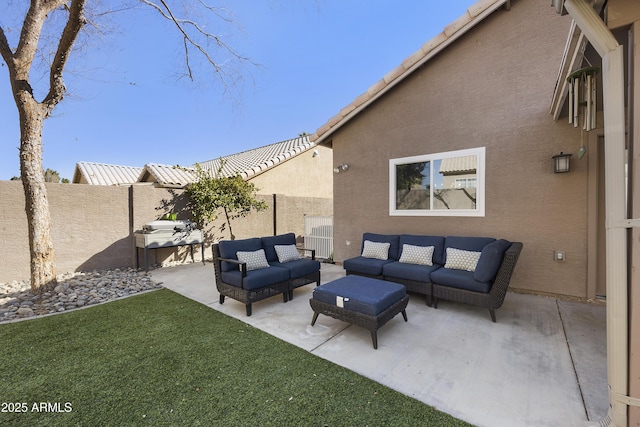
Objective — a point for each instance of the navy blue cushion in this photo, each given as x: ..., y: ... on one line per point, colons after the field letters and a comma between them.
x: 299, y: 267
x: 475, y: 244
x: 467, y: 243
x: 490, y: 260
x: 229, y: 249
x: 255, y: 279
x: 436, y: 241
x: 392, y: 239
x: 365, y: 295
x: 460, y: 279
x: 269, y: 242
x: 415, y: 272
x: 370, y: 266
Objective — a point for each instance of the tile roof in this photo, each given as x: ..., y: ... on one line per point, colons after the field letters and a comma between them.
x: 247, y: 164
x: 458, y: 164
x: 105, y: 174
x: 165, y: 175
x: 256, y: 161
x: 475, y: 13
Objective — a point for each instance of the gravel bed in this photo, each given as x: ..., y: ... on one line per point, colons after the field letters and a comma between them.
x: 73, y: 291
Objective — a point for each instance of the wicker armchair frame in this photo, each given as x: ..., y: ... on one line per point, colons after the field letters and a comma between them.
x: 495, y: 297
x: 246, y: 296
x: 304, y: 280
x: 371, y: 323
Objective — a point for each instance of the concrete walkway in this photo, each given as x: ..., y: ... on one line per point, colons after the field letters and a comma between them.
x: 542, y: 364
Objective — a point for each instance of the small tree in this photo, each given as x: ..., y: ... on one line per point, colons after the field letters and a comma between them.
x: 51, y: 176
x: 212, y: 192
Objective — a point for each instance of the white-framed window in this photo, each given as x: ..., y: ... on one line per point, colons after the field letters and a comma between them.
x: 440, y: 184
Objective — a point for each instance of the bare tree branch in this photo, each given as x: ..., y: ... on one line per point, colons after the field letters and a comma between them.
x: 221, y: 12
x: 32, y: 29
x: 70, y: 33
x: 5, y: 49
x: 189, y: 40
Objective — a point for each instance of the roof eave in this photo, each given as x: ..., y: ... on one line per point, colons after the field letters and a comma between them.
x: 571, y: 60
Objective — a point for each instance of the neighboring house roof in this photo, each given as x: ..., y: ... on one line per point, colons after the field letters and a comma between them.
x: 459, y: 164
x: 258, y: 160
x: 475, y: 14
x: 247, y: 164
x: 165, y: 175
x: 105, y: 174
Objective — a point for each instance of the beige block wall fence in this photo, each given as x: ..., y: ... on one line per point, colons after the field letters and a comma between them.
x: 92, y: 226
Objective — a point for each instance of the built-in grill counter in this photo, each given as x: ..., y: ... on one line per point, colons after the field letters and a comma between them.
x: 166, y: 234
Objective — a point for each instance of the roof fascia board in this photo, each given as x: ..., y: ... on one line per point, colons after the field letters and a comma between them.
x: 576, y: 45
x: 435, y: 51
x: 571, y: 60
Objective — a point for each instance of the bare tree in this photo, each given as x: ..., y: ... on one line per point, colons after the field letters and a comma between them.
x: 44, y: 15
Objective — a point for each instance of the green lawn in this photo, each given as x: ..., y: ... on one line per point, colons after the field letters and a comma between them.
x: 160, y: 359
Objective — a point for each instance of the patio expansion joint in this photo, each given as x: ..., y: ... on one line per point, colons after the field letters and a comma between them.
x: 573, y: 363
x: 329, y: 339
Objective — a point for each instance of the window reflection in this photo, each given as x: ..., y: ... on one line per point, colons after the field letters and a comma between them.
x: 413, y: 186
x: 458, y: 190
x: 446, y: 183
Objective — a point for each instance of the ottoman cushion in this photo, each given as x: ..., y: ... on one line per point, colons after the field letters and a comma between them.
x: 360, y: 294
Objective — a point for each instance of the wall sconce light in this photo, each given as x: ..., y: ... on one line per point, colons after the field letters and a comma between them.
x: 340, y: 168
x: 561, y: 162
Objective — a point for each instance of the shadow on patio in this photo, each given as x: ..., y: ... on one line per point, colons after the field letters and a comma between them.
x: 542, y: 364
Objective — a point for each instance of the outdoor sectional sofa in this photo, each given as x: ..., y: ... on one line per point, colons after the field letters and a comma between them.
x: 471, y: 270
x: 251, y: 270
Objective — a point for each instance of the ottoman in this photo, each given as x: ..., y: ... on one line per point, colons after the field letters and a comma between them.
x: 362, y: 301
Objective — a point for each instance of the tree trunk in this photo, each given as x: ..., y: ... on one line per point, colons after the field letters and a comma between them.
x: 43, y: 266
x: 32, y: 115
x: 226, y: 214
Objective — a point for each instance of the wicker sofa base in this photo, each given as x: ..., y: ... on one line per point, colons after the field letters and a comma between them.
x: 250, y: 296
x: 304, y: 280
x: 371, y: 323
x: 422, y: 288
x: 491, y: 300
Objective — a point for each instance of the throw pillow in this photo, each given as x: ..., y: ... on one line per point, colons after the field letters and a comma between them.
x: 255, y: 260
x: 377, y: 250
x: 286, y: 253
x: 459, y: 259
x: 412, y: 254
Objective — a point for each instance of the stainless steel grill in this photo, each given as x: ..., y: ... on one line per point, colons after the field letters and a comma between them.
x: 165, y: 234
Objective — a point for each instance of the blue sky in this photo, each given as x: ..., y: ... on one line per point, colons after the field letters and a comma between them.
x: 127, y: 104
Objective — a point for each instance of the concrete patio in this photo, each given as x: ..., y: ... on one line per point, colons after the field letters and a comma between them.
x: 542, y: 364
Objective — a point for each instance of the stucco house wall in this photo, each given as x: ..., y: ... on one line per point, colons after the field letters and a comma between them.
x: 490, y: 88
x: 305, y: 175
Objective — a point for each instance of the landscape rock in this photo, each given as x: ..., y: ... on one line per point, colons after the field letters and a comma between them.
x: 24, y: 311
x: 74, y: 290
